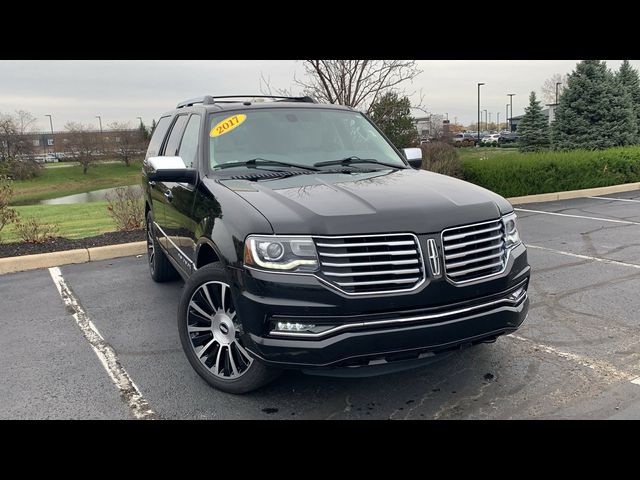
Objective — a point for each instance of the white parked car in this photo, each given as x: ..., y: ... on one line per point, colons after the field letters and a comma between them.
x: 493, y: 138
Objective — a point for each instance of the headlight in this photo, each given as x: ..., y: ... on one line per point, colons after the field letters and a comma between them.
x: 291, y: 254
x: 511, y: 236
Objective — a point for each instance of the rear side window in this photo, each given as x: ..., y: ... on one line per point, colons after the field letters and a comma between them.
x: 158, y: 135
x: 171, y: 150
x: 189, y: 145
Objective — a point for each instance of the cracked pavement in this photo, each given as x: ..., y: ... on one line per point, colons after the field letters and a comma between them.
x: 576, y: 356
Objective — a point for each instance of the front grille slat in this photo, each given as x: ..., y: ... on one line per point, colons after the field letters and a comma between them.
x: 474, y: 251
x: 367, y: 254
x: 412, y: 261
x: 371, y: 263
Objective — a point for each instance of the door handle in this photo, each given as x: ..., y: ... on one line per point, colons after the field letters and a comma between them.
x: 168, y: 195
x: 152, y: 183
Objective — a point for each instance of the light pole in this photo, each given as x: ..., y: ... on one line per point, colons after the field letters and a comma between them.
x: 100, y: 120
x: 52, y: 137
x: 480, y: 84
x: 447, y: 116
x: 485, y: 120
x: 511, y: 110
x: 498, y: 121
x: 140, y: 118
x: 506, y: 117
x: 557, y: 83
x: 489, y: 120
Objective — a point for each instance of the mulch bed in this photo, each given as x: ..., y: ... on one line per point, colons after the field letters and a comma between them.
x: 59, y: 244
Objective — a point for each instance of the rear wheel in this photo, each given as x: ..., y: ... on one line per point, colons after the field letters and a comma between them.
x: 210, y: 333
x: 160, y: 268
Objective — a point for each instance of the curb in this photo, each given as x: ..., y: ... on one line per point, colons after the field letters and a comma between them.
x: 587, y: 192
x: 67, y: 257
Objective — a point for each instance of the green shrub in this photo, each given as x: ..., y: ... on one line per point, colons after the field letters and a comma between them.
x: 7, y: 214
x: 516, y: 174
x: 441, y: 157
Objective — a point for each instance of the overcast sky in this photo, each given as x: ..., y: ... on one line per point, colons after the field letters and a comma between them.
x: 123, y: 90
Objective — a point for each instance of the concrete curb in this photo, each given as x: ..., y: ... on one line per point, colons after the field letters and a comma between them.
x: 82, y: 255
x: 587, y: 192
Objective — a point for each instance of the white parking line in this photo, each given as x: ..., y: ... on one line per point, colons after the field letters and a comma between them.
x: 602, y: 368
x: 626, y: 222
x: 616, y: 199
x: 128, y: 390
x: 585, y: 257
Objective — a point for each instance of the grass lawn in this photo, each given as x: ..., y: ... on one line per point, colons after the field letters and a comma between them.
x: 74, y: 221
x: 483, y: 153
x: 58, y: 181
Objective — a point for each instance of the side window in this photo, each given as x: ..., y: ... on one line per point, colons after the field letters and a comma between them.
x: 189, y: 145
x: 158, y: 136
x: 171, y: 150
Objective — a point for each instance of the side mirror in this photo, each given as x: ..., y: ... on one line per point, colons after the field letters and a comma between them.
x: 413, y: 156
x: 170, y: 169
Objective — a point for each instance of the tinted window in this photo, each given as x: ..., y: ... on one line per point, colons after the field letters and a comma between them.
x: 189, y: 145
x: 171, y: 150
x: 158, y: 135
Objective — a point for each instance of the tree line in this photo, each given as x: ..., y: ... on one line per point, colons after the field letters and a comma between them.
x: 597, y: 109
x: 80, y: 142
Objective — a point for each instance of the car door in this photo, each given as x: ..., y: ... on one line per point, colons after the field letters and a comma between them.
x: 179, y: 225
x: 164, y: 188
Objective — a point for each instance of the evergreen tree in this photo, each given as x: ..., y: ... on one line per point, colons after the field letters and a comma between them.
x: 533, y: 129
x: 144, y: 133
x: 594, y: 111
x: 628, y: 77
x: 391, y: 114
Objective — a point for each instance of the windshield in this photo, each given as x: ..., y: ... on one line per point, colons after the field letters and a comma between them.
x: 297, y: 136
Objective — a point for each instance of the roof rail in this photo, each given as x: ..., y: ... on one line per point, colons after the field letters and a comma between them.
x: 209, y: 100
x: 206, y: 100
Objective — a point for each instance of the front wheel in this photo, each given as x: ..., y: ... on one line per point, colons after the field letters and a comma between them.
x: 210, y: 333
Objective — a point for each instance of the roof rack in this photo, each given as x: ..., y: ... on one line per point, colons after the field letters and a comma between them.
x: 209, y: 100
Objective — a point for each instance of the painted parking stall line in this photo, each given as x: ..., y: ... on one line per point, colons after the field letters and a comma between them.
x: 585, y: 257
x: 129, y: 392
x: 601, y: 368
x: 600, y: 219
x: 609, y: 199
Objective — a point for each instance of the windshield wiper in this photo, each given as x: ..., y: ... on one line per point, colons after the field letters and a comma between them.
x: 348, y: 161
x: 263, y: 161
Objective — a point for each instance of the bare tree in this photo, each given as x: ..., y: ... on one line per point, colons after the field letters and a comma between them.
x: 356, y: 83
x: 25, y: 121
x: 12, y: 141
x: 83, y: 143
x: 128, y: 143
x: 548, y: 89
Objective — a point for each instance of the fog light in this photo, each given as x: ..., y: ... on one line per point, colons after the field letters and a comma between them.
x: 516, y: 294
x: 293, y: 327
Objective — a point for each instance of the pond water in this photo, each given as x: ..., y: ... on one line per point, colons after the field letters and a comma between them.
x: 93, y: 196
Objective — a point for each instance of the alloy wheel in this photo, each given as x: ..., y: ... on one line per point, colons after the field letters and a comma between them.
x: 214, y: 331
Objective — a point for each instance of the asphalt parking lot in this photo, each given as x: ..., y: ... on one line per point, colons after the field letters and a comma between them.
x: 576, y: 356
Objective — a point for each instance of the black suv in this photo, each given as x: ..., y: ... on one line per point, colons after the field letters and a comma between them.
x: 308, y: 241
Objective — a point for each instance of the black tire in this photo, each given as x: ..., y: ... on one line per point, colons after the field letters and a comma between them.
x: 160, y: 267
x: 249, y: 375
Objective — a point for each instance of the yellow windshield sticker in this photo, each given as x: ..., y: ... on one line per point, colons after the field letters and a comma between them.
x: 227, y: 125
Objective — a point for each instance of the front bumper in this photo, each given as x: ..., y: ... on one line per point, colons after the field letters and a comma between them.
x: 362, y: 330
x: 359, y: 340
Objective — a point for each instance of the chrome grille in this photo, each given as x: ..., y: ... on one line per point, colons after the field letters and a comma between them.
x: 371, y: 264
x: 474, y: 251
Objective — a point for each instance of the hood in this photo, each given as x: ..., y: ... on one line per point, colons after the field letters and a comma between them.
x: 384, y: 201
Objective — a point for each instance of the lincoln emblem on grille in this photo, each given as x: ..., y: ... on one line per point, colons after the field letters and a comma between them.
x: 434, y: 260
